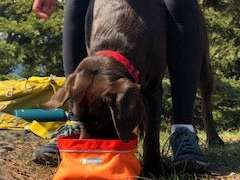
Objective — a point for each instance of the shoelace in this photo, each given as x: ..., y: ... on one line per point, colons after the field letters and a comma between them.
x: 66, y: 130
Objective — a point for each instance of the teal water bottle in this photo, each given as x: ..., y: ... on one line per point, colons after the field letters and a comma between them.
x: 42, y: 115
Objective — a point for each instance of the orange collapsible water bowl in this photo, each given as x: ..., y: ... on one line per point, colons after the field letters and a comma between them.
x: 97, y: 159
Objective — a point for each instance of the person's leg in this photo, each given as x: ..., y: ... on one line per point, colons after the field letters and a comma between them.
x: 185, y: 51
x: 184, y: 57
x: 74, y: 50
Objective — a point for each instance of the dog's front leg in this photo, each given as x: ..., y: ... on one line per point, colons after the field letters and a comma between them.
x: 151, y: 152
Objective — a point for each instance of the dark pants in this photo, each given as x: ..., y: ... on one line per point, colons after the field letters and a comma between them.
x: 74, y: 49
x: 185, y: 54
x: 184, y: 50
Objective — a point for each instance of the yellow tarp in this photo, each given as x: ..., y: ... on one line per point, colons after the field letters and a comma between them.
x: 43, y: 129
x: 27, y: 93
x: 8, y: 121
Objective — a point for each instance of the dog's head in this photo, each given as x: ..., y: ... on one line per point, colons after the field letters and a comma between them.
x: 107, y: 101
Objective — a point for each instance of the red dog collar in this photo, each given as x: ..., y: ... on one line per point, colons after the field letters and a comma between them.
x: 134, y: 72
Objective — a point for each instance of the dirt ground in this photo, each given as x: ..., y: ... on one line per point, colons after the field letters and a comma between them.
x: 16, y: 148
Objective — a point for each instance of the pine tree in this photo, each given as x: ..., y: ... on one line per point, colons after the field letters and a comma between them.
x: 28, y: 41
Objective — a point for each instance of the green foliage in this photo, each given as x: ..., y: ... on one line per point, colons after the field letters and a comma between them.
x: 223, y: 21
x: 26, y: 40
x: 224, y: 33
x: 226, y: 101
x: 9, y: 77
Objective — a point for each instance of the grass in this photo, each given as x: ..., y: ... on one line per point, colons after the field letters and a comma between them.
x: 227, y: 158
x: 224, y: 160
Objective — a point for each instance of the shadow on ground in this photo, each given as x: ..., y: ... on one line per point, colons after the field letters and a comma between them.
x: 225, y: 159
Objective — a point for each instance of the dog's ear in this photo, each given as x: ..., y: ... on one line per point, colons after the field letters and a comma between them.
x: 75, y: 87
x: 126, y: 106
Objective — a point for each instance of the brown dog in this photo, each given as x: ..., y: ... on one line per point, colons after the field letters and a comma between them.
x: 107, y: 95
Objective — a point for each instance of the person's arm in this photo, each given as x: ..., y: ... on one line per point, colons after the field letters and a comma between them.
x: 44, y: 8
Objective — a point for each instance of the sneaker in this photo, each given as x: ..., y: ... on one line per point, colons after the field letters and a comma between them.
x: 187, y: 155
x: 48, y: 154
x: 68, y: 129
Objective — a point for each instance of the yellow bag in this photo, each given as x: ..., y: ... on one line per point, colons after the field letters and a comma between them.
x: 96, y: 159
x: 28, y: 93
